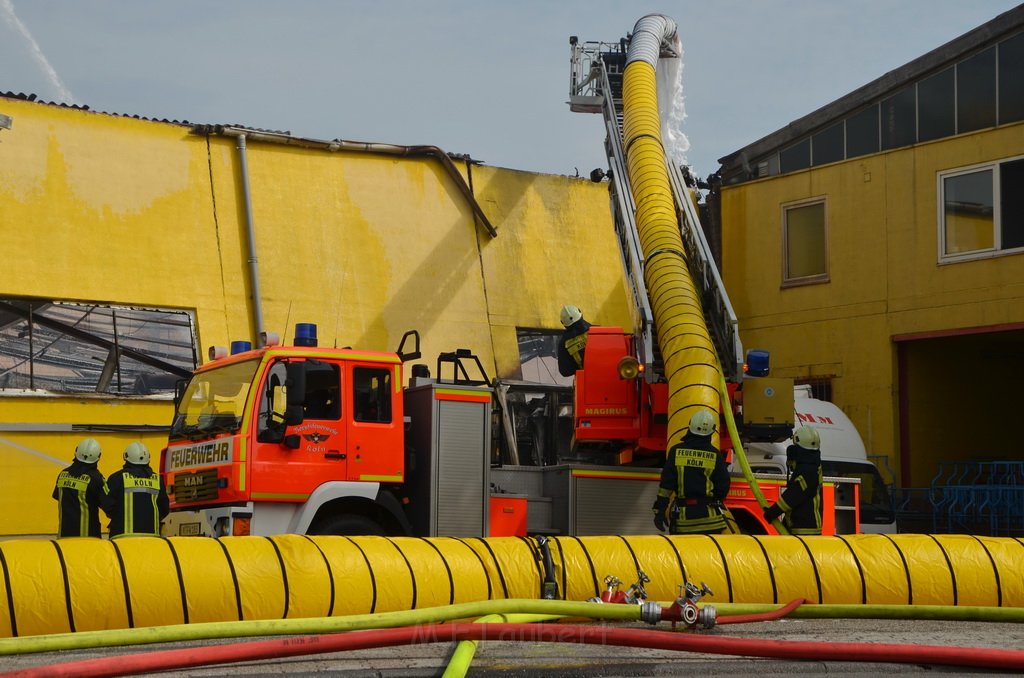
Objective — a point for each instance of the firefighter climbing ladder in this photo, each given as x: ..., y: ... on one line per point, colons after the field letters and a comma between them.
x: 596, y: 87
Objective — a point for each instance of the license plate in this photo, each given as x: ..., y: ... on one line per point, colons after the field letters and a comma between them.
x: 189, y: 529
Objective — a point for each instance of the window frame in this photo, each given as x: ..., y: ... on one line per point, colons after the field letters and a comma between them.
x: 817, y: 278
x: 119, y: 353
x: 995, y: 167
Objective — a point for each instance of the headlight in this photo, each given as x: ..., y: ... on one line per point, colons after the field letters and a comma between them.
x: 629, y: 367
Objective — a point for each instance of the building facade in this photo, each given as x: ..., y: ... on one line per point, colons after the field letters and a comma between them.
x: 132, y: 246
x: 876, y: 247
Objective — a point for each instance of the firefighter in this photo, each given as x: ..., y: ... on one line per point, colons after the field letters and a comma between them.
x: 696, y: 473
x: 81, y: 492
x: 573, y: 342
x: 801, y: 500
x: 137, y: 501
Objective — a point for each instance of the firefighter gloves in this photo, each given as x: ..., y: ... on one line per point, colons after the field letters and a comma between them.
x: 772, y: 512
x: 659, y: 514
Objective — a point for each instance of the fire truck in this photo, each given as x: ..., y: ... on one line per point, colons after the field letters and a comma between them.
x: 310, y: 440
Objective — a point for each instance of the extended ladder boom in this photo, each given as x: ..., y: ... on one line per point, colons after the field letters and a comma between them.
x: 596, y: 87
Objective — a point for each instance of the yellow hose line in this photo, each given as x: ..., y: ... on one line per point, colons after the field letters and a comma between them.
x: 691, y: 364
x: 458, y: 665
x: 286, y: 627
x: 741, y: 455
x: 1009, y: 615
x: 82, y: 585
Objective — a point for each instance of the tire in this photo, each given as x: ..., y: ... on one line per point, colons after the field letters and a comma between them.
x: 347, y: 525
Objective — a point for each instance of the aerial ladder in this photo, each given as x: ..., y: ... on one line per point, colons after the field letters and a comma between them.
x: 597, y: 78
x: 686, y: 340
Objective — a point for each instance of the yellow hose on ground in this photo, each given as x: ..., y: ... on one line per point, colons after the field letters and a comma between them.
x: 458, y: 665
x: 91, y: 584
x: 289, y: 627
x: 691, y: 364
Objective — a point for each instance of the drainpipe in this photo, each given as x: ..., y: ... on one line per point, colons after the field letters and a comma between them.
x: 250, y: 237
x: 358, y: 147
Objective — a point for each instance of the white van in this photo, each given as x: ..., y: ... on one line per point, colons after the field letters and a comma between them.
x: 842, y: 455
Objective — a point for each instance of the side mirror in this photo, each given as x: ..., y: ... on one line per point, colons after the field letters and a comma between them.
x: 179, y: 391
x: 296, y: 383
x: 291, y: 441
x: 414, y: 354
x: 294, y: 415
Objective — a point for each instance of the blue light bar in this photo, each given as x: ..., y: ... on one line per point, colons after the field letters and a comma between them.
x: 305, y: 334
x: 240, y: 347
x: 757, y: 363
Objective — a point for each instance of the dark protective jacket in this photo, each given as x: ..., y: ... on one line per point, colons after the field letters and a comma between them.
x: 696, y: 473
x: 801, y: 500
x: 137, y: 501
x: 571, y: 348
x: 80, y: 493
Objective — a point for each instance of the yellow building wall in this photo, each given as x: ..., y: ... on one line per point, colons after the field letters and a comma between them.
x: 882, y: 227
x: 116, y: 210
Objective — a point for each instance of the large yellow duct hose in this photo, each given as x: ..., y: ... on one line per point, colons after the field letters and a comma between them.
x: 93, y: 584
x: 691, y: 364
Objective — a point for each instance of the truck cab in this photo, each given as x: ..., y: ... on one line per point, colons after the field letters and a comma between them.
x: 289, y: 439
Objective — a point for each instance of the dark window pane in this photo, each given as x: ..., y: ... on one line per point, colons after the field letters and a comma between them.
x: 827, y: 145
x: 372, y: 394
x: 1011, y: 79
x: 796, y: 157
x: 862, y: 133
x: 936, y: 109
x: 806, y: 251
x: 1012, y: 213
x: 967, y: 212
x: 898, y: 120
x: 976, y: 91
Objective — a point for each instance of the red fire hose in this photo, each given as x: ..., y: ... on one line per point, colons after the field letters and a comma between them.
x: 1007, y: 660
x: 762, y: 616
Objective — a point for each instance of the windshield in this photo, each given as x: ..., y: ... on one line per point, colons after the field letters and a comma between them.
x: 875, y: 503
x: 214, y: 402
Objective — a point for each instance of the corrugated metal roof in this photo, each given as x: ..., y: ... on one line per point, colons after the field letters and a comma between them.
x: 33, y: 98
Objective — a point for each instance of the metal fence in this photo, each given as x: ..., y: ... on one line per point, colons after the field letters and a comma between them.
x: 966, y: 497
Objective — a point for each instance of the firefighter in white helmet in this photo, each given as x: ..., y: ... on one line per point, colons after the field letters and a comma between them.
x: 137, y: 501
x: 573, y: 342
x: 800, y: 502
x: 696, y: 473
x: 80, y: 493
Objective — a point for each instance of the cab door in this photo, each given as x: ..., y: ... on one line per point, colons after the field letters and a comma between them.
x: 311, y: 452
x: 376, y: 451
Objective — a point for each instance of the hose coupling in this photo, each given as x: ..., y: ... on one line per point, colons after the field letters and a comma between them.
x: 650, y: 612
x: 686, y: 610
x: 707, y: 617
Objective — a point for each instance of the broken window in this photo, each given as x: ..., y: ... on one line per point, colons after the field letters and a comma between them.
x: 538, y: 357
x: 69, y: 347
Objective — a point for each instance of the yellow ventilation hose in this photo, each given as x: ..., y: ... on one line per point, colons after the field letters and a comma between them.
x: 691, y: 364
x: 93, y: 584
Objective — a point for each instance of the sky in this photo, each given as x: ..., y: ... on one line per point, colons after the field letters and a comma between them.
x: 480, y: 77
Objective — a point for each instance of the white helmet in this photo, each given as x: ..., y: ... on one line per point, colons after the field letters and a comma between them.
x: 570, y: 314
x: 702, y: 423
x: 807, y: 438
x: 136, y: 453
x: 88, y: 451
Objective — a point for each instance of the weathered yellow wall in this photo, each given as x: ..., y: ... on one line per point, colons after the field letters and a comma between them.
x: 882, y: 230
x: 37, y: 440
x: 116, y: 210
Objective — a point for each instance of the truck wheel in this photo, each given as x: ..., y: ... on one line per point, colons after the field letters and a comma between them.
x: 347, y: 525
